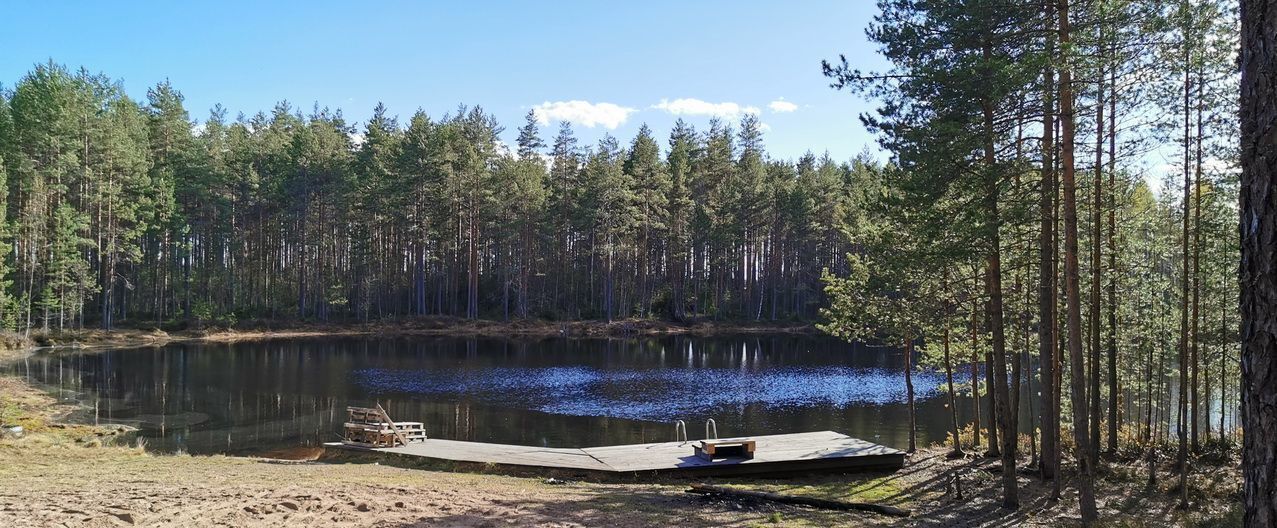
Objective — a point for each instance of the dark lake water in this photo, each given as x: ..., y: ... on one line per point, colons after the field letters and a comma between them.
x: 260, y: 396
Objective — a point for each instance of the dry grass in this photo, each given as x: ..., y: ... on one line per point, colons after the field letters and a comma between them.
x: 13, y: 345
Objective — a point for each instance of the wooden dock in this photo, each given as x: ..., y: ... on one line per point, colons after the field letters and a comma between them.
x: 774, y: 454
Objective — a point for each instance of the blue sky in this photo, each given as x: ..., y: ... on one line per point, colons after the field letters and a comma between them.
x: 600, y: 63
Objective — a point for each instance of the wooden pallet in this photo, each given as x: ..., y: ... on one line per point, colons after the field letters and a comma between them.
x: 372, y: 427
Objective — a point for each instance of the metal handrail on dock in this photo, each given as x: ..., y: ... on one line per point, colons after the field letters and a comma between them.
x: 680, y: 427
x: 710, y: 423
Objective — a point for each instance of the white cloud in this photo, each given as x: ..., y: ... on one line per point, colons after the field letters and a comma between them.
x: 697, y: 107
x: 584, y: 113
x: 781, y: 106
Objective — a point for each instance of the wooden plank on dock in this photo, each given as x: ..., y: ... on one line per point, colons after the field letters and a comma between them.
x: 785, y: 448
x: 515, y: 455
x: 783, y: 453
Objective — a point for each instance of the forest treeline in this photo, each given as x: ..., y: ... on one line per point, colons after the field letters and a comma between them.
x: 125, y: 210
x: 1059, y: 215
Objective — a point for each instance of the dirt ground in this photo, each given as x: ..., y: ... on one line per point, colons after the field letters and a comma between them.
x: 70, y: 475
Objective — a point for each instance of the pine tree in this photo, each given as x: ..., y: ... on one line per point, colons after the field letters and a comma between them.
x: 651, y: 183
x: 713, y: 223
x: 682, y: 145
x: 376, y: 187
x: 126, y: 199
x: 170, y: 141
x: 609, y: 196
x: 529, y: 142
x: 9, y: 306
x: 747, y: 209
x: 565, y: 193
x: 1073, y: 312
x: 946, y: 135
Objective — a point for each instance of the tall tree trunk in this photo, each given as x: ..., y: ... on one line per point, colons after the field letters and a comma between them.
x: 1259, y: 260
x: 1046, y: 272
x: 953, y: 401
x: 1197, y: 281
x: 472, y: 289
x: 1182, y: 402
x: 975, y: 378
x: 1112, y: 247
x: 995, y: 446
x: 1006, y: 418
x: 913, y: 427
x: 1073, y: 301
x: 1097, y: 273
x: 1223, y: 369
x: 643, y: 251
x: 1056, y: 404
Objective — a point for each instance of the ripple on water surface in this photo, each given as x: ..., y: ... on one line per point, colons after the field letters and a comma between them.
x: 650, y: 394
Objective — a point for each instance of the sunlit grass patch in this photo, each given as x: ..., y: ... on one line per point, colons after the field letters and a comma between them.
x: 882, y: 489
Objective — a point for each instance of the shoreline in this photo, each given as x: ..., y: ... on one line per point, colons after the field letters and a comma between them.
x: 428, y: 326
x: 61, y: 473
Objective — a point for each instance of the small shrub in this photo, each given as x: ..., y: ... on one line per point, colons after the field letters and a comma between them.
x: 14, y: 341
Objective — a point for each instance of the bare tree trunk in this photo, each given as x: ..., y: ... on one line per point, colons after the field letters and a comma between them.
x: 1223, y: 370
x: 953, y: 401
x: 1112, y: 246
x: 1194, y: 343
x: 1046, y: 272
x: 975, y: 378
x: 1093, y: 313
x: 990, y: 388
x: 472, y: 281
x: 1073, y: 306
x: 1056, y: 293
x: 913, y: 427
x: 1182, y: 404
x: 1259, y: 260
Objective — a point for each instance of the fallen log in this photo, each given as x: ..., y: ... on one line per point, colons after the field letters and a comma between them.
x: 827, y: 504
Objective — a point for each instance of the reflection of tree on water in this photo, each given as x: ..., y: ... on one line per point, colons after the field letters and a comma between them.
x: 553, y: 392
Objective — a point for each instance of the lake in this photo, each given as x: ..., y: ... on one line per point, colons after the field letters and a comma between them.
x: 252, y: 397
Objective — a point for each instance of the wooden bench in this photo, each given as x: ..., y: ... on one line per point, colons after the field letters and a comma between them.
x: 711, y: 449
x: 372, y: 427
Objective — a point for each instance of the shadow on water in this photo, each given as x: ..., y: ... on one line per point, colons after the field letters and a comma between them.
x: 271, y: 395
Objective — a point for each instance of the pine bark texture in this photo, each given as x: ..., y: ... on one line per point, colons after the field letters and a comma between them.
x: 1259, y: 259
